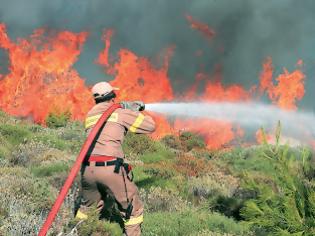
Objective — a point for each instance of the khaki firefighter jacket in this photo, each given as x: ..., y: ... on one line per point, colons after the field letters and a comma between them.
x: 109, y: 142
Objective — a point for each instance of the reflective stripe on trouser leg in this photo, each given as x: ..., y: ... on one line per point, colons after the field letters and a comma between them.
x: 80, y: 215
x: 134, y: 221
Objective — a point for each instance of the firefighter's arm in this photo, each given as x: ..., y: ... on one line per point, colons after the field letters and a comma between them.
x: 138, y: 122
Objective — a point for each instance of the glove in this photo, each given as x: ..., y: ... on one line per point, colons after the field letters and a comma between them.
x: 134, y: 106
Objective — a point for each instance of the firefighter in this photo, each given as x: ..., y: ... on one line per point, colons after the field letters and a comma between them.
x: 106, y: 174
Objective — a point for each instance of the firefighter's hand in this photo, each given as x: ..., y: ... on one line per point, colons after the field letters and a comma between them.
x: 134, y: 106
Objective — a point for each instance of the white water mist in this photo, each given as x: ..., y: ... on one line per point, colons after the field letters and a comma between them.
x: 248, y: 115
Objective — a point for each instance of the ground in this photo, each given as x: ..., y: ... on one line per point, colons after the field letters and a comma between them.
x: 187, y: 189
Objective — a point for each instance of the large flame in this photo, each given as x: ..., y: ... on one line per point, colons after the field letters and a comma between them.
x: 42, y: 80
x: 290, y: 87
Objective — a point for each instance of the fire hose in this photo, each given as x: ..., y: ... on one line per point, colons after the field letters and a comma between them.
x: 75, y: 169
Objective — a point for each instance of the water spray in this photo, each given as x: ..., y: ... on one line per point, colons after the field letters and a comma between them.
x: 249, y: 115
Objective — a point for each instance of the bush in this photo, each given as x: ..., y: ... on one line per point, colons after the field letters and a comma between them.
x: 54, y: 120
x: 162, y: 154
x: 48, y: 170
x: 138, y: 144
x: 213, y: 184
x: 189, y: 222
x: 160, y: 170
x: 14, y: 134
x: 284, y: 205
x: 171, y: 141
x: 25, y: 153
x: 190, y: 141
x: 92, y: 226
x: 51, y: 141
x: 191, y: 166
x: 158, y: 199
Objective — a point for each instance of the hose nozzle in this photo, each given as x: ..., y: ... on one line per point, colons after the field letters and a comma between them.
x: 134, y: 106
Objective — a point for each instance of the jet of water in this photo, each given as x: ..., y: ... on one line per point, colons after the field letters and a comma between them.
x: 249, y: 114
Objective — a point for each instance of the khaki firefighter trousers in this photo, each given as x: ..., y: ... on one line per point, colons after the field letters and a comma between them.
x: 100, y: 183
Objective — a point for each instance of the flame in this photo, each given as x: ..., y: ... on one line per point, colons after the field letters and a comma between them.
x: 42, y: 80
x: 137, y: 77
x: 290, y: 87
x: 216, y: 133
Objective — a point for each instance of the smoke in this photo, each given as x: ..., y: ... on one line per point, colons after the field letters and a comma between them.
x: 247, y: 31
x: 298, y: 125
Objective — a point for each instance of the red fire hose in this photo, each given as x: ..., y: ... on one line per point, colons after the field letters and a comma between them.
x: 75, y: 169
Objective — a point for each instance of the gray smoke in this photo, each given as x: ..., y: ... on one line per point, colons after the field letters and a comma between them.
x: 248, y: 30
x: 297, y: 125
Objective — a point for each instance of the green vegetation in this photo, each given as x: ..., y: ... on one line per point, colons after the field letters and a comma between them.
x: 186, y: 189
x: 58, y: 120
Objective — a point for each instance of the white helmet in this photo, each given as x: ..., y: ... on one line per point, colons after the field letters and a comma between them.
x: 102, y: 89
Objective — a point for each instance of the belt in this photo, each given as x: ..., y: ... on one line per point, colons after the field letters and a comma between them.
x: 102, y: 158
x: 102, y: 161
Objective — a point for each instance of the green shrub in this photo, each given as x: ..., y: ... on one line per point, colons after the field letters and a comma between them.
x: 14, y: 134
x: 288, y: 206
x: 172, y: 141
x: 49, y: 169
x: 190, y: 166
x: 138, y: 144
x: 161, y: 154
x: 158, y: 199
x: 284, y: 205
x: 92, y: 226
x: 25, y: 153
x: 190, y: 141
x: 189, y: 222
x: 51, y: 141
x: 54, y: 120
x: 213, y: 184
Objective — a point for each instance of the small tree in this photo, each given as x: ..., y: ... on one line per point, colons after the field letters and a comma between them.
x: 54, y: 120
x: 286, y: 207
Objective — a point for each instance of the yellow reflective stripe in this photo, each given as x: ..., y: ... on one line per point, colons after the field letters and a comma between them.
x: 81, y: 216
x: 137, y: 123
x: 92, y: 120
x: 113, y: 117
x: 134, y: 221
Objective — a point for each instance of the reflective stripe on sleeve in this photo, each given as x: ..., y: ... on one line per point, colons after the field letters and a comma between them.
x: 134, y: 221
x: 92, y: 120
x: 81, y: 216
x: 137, y: 123
x: 113, y: 117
